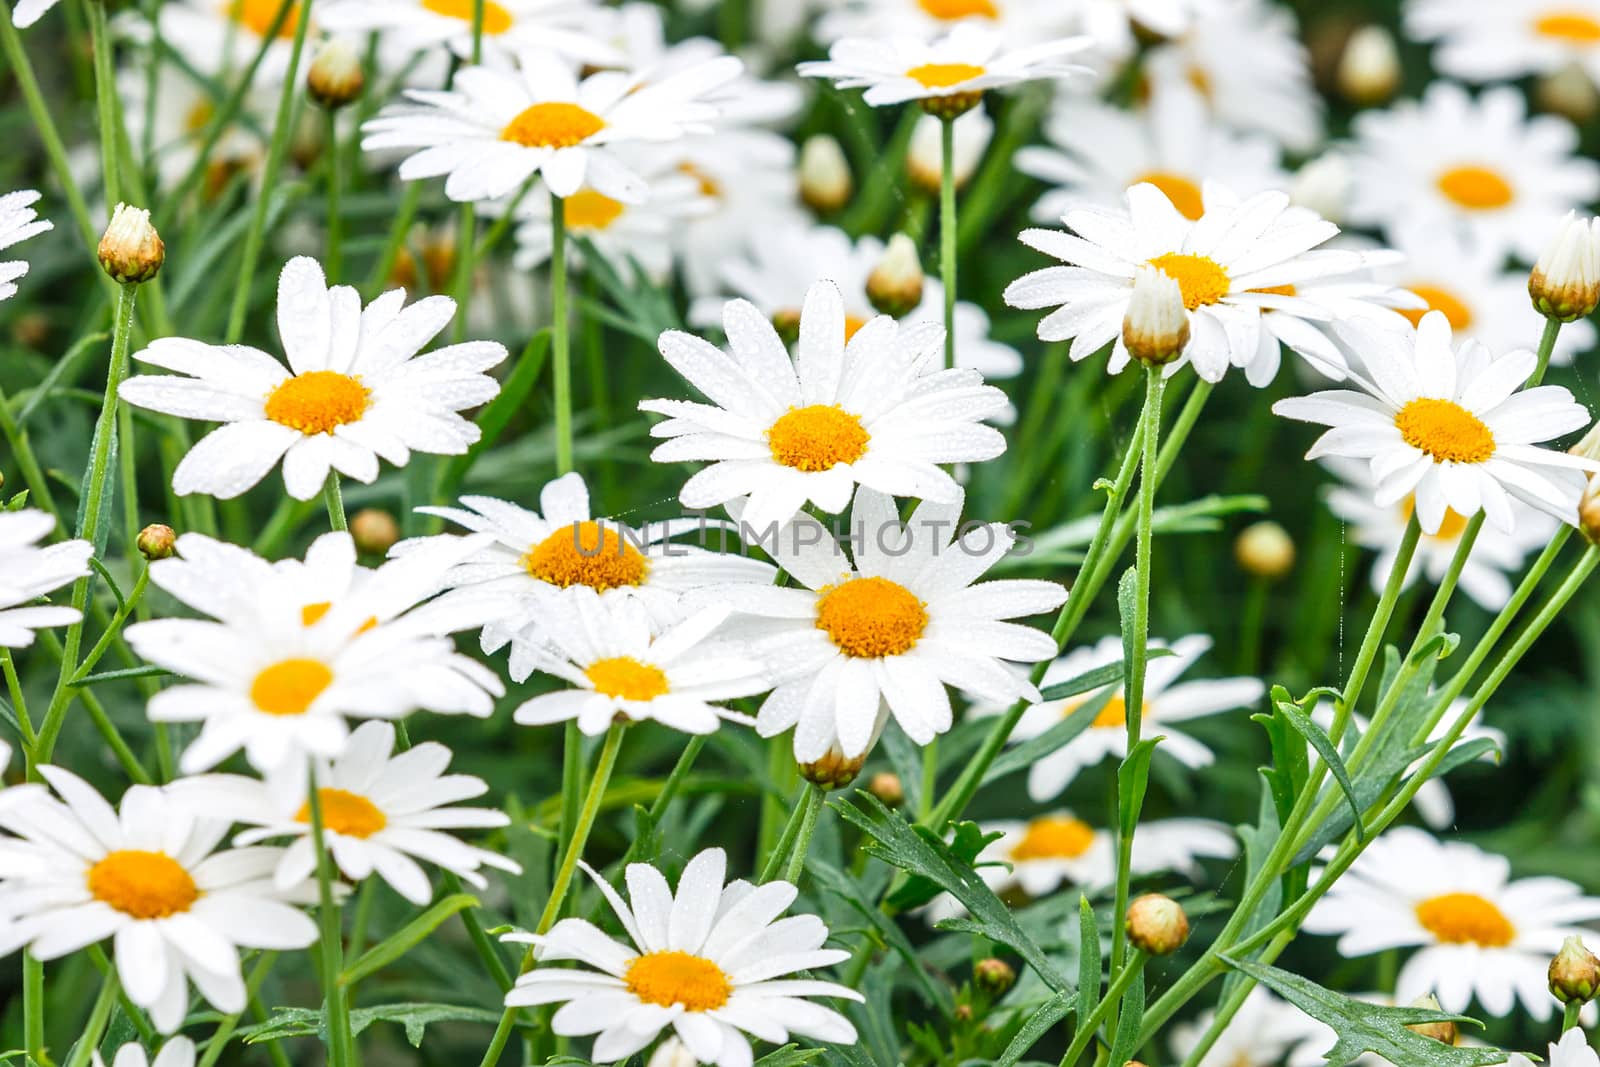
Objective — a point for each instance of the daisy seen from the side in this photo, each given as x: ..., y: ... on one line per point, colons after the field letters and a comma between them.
x: 1501, y: 40
x: 1573, y: 1050
x: 29, y: 570
x: 175, y: 1052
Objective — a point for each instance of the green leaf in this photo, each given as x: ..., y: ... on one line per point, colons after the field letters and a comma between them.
x: 307, y: 1022
x: 835, y: 881
x: 406, y: 938
x: 1127, y: 605
x: 1363, y: 1027
x: 1088, y: 681
x: 1039, y: 1023
x: 965, y: 845
x: 1132, y: 778
x: 1088, y: 957
x: 1122, y: 1046
x: 1319, y: 740
x: 117, y: 676
x: 789, y: 1056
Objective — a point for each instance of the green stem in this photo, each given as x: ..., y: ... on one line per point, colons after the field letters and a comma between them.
x: 669, y: 789
x: 333, y: 496
x: 19, y: 700
x: 947, y: 233
x: 335, y: 258
x: 560, y: 341
x: 383, y: 269
x: 1569, y: 1015
x: 32, y: 980
x: 94, y: 1029
x: 1547, y: 346
x: 1088, y: 1027
x: 225, y: 1028
x: 105, y: 95
x: 335, y: 1008
x: 580, y: 831
x: 789, y: 854
x: 140, y: 584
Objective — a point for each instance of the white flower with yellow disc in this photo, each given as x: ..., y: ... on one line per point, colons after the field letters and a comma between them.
x: 1502, y: 40
x: 570, y: 28
x: 29, y: 570
x: 1021, y: 21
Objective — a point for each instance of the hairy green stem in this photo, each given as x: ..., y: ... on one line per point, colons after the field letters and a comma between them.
x: 1087, y: 1027
x: 947, y: 233
x: 336, y: 1009
x: 333, y: 497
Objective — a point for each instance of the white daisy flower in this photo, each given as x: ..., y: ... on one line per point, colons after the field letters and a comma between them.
x: 970, y: 139
x: 1100, y: 151
x: 354, y: 390
x: 222, y: 37
x: 1482, y: 167
x: 495, y: 129
x: 857, y: 640
x: 18, y: 222
x: 1449, y: 425
x: 874, y: 409
x: 175, y: 1052
x: 27, y: 12
x: 28, y: 571
x: 1496, y: 555
x: 171, y: 117
x: 1166, y: 701
x: 708, y: 962
x: 953, y: 71
x: 1020, y: 21
x: 1236, y: 265
x: 1117, y: 25
x: 1501, y: 40
x: 750, y: 178
x: 1263, y: 1032
x: 1573, y: 1050
x: 381, y: 811
x: 606, y: 651
x: 77, y: 872
x: 1478, y: 932
x: 569, y: 28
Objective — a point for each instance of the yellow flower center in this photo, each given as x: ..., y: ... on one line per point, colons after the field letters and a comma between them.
x: 1439, y: 299
x: 625, y: 678
x: 318, y: 401
x: 347, y: 813
x: 943, y: 75
x: 1445, y: 430
x: 257, y: 16
x: 787, y: 322
x: 1053, y: 837
x: 496, y: 19
x: 870, y: 618
x: 589, y: 210
x: 1450, y: 527
x: 668, y: 978
x: 817, y: 438
x: 1466, y: 919
x: 552, y: 125
x: 1476, y: 188
x: 145, y: 885
x: 1184, y: 193
x: 289, y: 686
x: 1574, y: 27
x: 1201, y: 278
x: 1113, y: 715
x: 960, y: 9
x: 586, y: 553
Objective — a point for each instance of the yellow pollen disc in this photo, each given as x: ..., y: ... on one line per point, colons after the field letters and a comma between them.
x: 347, y: 813
x: 496, y: 19
x: 626, y: 678
x: 817, y: 438
x: 1439, y: 299
x: 289, y: 686
x: 318, y: 401
x: 1113, y: 715
x: 870, y: 618
x: 852, y: 326
x: 1184, y: 193
x: 1054, y: 837
x: 1445, y: 430
x: 1200, y: 278
x: 1476, y: 188
x: 145, y: 885
x: 1450, y: 527
x: 552, y: 125
x: 1466, y: 919
x: 586, y: 553
x: 943, y: 75
x: 1574, y: 27
x: 257, y: 16
x: 589, y: 210
x: 668, y: 978
x: 960, y: 9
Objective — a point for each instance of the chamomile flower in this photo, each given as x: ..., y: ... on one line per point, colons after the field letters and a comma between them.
x: 1262, y: 1033
x: 858, y: 640
x: 1239, y: 262
x: 873, y: 409
x: 29, y: 570
x: 750, y: 179
x: 708, y: 961
x: 495, y: 128
x: 27, y: 12
x: 1020, y: 21
x: 606, y: 651
x: 1500, y: 40
x: 219, y: 37
x: 1481, y: 167
x: 354, y: 390
x: 952, y: 72
x: 78, y: 871
x: 382, y: 811
x: 569, y: 28
x: 1450, y: 426
x: 1116, y: 25
x: 1478, y: 932
x: 18, y: 222
x: 1573, y: 1050
x: 175, y: 1052
x: 172, y: 116
x: 1166, y: 701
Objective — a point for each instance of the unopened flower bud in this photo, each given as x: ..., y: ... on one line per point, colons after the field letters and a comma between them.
x: 925, y: 157
x: 951, y: 105
x: 336, y: 77
x: 1574, y: 973
x: 1156, y: 327
x: 885, y: 785
x: 1369, y: 69
x: 1323, y: 186
x: 672, y: 1053
x: 1265, y: 550
x: 1565, y: 283
x: 130, y: 250
x: 1588, y: 447
x: 993, y: 976
x: 1568, y: 92
x: 834, y: 770
x: 374, y: 531
x: 825, y: 181
x: 1444, y: 1032
x: 787, y: 322
x: 895, y: 284
x: 156, y: 541
x: 1157, y: 924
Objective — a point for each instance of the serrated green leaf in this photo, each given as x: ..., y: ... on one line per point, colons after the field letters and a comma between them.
x: 789, y: 1056
x: 835, y: 881
x: 415, y: 1018
x: 965, y: 845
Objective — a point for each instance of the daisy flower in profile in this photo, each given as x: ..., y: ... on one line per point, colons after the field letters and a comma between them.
x: 175, y: 1052
x: 28, y: 571
x: 1262, y: 1033
x: 1501, y: 40
x: 150, y: 877
x: 606, y: 651
x: 875, y: 409
x: 855, y: 641
x: 569, y: 28
x: 1478, y: 932
x: 1449, y: 426
x: 708, y: 961
x: 1020, y: 21
x: 354, y: 390
x: 1166, y: 701
x: 1573, y: 1050
x: 1481, y: 167
x: 496, y: 128
x: 27, y: 12
x: 18, y: 222
x: 948, y: 75
x: 381, y: 812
